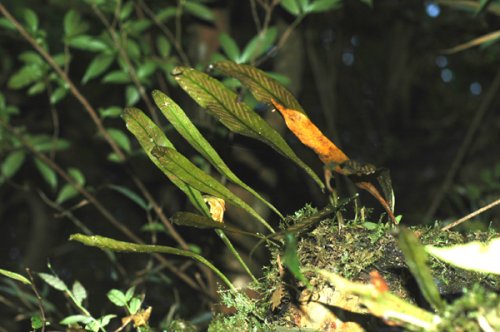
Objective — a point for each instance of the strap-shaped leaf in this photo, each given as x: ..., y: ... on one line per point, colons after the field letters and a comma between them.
x: 236, y: 116
x: 175, y: 163
x: 188, y: 130
x: 416, y: 257
x: 262, y: 87
x: 202, y: 222
x: 149, y: 135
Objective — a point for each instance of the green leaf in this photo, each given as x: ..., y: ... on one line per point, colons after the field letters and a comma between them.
x: 483, y: 5
x: 31, y: 58
x: 175, y: 163
x: 79, y: 292
x: 474, y: 256
x: 25, y: 76
x: 36, y: 322
x: 110, y: 112
x: 129, y: 294
x: 294, y: 7
x: 36, y: 88
x: 259, y: 45
x: 99, y: 64
x: 416, y: 257
x: 114, y: 245
x: 135, y: 305
x: 163, y: 46
x: 73, y: 24
x: 104, y: 320
x: 5, y: 23
x: 48, y: 174
x: 368, y: 2
x: 136, y: 27
x: 53, y: 281
x: 145, y: 70
x: 149, y: 135
x: 88, y: 43
x: 166, y: 13
x: 117, y: 297
x: 74, y: 319
x: 291, y: 259
x: 181, y: 122
x: 263, y: 87
x: 132, y: 95
x: 126, y: 10
x: 45, y: 143
x: 11, y: 164
x: 117, y: 77
x: 15, y: 276
x: 120, y: 138
x: 236, y: 116
x: 68, y: 191
x: 130, y: 194
x: 229, y: 46
x: 202, y: 222
x: 31, y: 20
x: 319, y: 6
x: 199, y: 10
x: 58, y: 95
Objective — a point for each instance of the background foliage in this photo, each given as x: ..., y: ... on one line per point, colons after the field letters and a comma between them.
x: 376, y: 77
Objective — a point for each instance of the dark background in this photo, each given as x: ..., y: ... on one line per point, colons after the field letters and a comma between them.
x: 375, y: 80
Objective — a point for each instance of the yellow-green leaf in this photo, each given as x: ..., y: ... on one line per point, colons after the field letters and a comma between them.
x: 15, y: 276
x: 178, y: 165
x: 188, y: 130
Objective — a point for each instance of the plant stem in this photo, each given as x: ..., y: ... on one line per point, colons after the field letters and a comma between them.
x: 39, y: 299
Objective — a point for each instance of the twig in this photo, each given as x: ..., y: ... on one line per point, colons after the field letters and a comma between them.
x: 471, y: 215
x: 38, y: 299
x: 459, y: 158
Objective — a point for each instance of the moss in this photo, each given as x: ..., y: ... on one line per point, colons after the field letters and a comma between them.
x: 353, y: 252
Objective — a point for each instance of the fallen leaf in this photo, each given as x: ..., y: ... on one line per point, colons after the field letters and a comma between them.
x: 277, y: 297
x: 140, y: 318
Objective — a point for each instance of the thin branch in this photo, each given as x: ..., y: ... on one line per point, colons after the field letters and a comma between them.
x: 464, y: 148
x: 471, y: 215
x: 39, y: 300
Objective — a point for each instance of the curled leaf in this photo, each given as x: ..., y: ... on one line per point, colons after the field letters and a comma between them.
x: 217, y: 207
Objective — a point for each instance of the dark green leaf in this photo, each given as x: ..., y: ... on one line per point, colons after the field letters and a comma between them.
x: 146, y: 69
x: 163, y: 46
x: 117, y: 77
x: 114, y: 245
x: 319, y: 6
x: 88, y: 43
x: 99, y: 64
x: 120, y: 138
x: 31, y: 58
x: 31, y: 20
x: 48, y: 174
x: 36, y: 88
x: 5, y: 23
x: 199, y: 10
x: 77, y: 175
x: 53, y: 281
x: 263, y: 87
x: 291, y: 259
x: 68, y: 191
x: 73, y: 24
x: 294, y: 7
x: 136, y: 27
x: 130, y: 194
x: 166, y: 13
x: 15, y: 276
x: 126, y: 10
x: 58, y: 95
x: 416, y: 257
x: 11, y: 164
x: 110, y: 112
x: 149, y: 135
x: 368, y: 2
x: 175, y: 163
x: 132, y: 95
x: 44, y: 143
x: 259, y: 45
x: 25, y: 76
x: 229, y: 47
x: 133, y: 49
x: 236, y: 116
x: 187, y: 129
